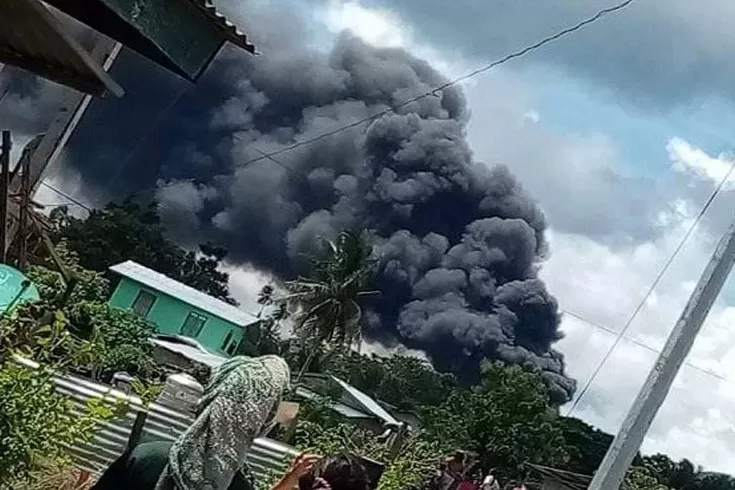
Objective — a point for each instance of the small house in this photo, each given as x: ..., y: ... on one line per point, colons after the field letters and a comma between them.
x: 177, y: 309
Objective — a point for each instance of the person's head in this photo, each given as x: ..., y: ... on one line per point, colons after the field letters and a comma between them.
x: 240, y: 401
x: 340, y: 472
x: 456, y: 462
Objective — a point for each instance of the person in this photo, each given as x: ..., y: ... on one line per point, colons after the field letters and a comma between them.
x: 448, y: 476
x: 336, y: 472
x: 239, y: 404
x: 490, y: 483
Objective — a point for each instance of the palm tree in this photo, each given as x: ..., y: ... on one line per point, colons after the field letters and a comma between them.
x: 327, y: 303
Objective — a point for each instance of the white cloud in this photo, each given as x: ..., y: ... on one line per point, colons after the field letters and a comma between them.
x: 245, y: 284
x: 604, y: 285
x: 382, y: 28
x: 376, y: 27
x: 689, y: 159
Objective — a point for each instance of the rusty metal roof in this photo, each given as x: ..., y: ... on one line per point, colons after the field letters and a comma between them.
x: 33, y: 38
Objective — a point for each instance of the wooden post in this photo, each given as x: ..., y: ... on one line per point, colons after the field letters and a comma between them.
x: 4, y: 184
x: 137, y: 431
x: 25, y: 203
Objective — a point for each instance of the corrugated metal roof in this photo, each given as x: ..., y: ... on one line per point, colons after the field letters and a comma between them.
x: 367, y: 402
x: 266, y: 457
x: 191, y: 353
x: 338, y: 407
x: 32, y: 38
x: 228, y: 29
x: 164, y: 284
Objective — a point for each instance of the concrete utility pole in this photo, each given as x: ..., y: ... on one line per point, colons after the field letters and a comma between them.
x: 628, y: 441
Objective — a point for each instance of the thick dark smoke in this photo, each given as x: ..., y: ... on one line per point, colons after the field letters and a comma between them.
x: 459, y: 243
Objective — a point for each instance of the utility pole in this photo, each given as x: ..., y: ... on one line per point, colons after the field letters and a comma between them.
x: 5, y: 147
x: 25, y: 204
x: 627, y: 442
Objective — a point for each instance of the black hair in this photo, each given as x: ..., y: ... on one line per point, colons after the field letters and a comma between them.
x: 341, y: 472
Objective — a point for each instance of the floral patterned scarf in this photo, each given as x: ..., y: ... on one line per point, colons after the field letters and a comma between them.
x: 241, y: 400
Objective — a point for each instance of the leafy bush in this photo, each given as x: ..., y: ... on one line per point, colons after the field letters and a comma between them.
x: 53, y: 475
x: 506, y: 419
x: 121, y: 339
x: 37, y: 421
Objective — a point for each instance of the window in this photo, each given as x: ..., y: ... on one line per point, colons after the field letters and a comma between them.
x: 143, y: 303
x: 229, y: 346
x: 232, y: 348
x: 227, y: 341
x: 193, y: 325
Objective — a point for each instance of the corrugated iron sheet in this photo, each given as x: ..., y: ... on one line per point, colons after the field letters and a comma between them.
x: 228, y: 29
x: 266, y: 458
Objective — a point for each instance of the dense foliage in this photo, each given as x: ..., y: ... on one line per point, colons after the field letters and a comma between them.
x: 37, y: 421
x: 132, y: 231
x: 506, y: 420
x: 121, y: 338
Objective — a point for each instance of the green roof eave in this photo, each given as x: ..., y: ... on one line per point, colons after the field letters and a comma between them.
x: 180, y: 35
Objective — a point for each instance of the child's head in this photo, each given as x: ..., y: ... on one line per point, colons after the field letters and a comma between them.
x: 340, y: 472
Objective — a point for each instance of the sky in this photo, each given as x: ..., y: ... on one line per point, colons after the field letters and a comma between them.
x: 619, y: 131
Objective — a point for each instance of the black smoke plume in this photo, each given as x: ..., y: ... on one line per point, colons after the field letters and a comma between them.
x: 459, y: 242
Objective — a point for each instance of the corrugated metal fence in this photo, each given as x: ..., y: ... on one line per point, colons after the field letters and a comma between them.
x: 267, y: 457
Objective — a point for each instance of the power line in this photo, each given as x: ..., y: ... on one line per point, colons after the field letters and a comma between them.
x: 67, y: 196
x: 643, y: 345
x: 653, y: 286
x: 434, y: 92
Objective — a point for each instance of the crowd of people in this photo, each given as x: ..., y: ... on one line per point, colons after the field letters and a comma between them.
x: 240, y: 404
x: 460, y: 472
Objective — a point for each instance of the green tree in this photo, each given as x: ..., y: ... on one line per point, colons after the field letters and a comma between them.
x: 327, y: 303
x: 586, y: 445
x: 639, y: 478
x: 132, y: 231
x: 506, y: 419
x: 88, y: 285
x: 37, y: 422
x: 405, y: 382
x: 121, y: 338
x: 264, y: 336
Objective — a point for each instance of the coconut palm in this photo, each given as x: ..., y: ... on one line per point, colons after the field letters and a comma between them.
x: 327, y: 304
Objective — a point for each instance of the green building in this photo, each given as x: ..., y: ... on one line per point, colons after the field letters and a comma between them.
x: 177, y: 309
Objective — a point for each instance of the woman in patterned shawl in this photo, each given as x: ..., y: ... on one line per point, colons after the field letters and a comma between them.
x: 239, y: 405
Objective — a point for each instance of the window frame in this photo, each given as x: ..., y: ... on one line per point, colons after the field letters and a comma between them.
x: 138, y: 296
x: 229, y: 346
x: 193, y: 314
